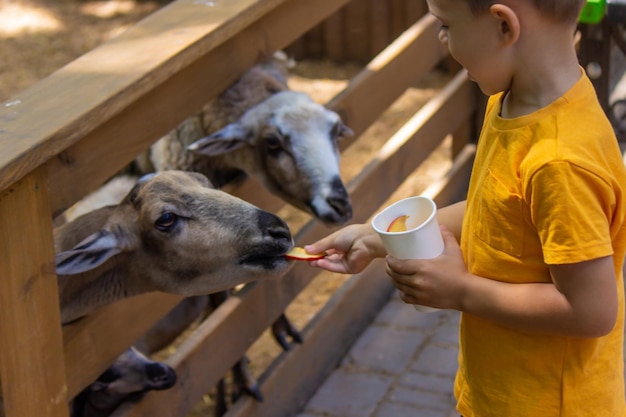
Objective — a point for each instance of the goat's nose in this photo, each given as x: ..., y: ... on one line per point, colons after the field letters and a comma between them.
x: 342, y: 207
x: 274, y: 227
x: 160, y: 375
x: 339, y: 200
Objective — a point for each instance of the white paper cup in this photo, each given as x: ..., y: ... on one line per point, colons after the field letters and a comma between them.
x: 421, y: 240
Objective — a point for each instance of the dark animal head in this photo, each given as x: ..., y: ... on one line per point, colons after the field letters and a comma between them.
x: 130, y: 376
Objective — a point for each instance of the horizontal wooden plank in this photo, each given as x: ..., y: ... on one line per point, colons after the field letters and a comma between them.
x: 412, y: 144
x: 404, y: 62
x: 92, y: 343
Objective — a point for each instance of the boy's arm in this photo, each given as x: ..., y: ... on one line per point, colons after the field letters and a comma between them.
x: 581, y: 301
x: 452, y: 217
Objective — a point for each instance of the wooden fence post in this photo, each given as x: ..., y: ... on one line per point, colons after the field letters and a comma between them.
x: 32, y: 369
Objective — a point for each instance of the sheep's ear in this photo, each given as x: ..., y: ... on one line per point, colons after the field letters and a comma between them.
x: 132, y: 194
x: 88, y: 254
x: 231, y: 137
x: 344, y: 131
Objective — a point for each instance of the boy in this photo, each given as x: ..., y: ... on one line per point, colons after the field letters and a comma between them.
x: 538, y: 273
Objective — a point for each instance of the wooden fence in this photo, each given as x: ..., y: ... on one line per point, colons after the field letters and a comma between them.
x: 72, y: 131
x: 359, y: 30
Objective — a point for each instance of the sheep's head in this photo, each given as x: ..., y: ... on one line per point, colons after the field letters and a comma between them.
x: 173, y: 232
x: 290, y: 144
x: 128, y: 378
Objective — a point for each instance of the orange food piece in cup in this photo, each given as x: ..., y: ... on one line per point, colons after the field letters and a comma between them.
x: 398, y: 224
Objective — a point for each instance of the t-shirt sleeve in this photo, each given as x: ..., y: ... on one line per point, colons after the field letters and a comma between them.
x: 571, y: 208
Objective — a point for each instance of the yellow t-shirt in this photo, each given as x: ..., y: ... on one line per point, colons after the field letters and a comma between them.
x: 546, y: 188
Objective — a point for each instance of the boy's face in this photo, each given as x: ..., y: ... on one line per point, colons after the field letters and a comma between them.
x: 474, y: 42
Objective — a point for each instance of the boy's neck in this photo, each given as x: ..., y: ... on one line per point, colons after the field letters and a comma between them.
x: 547, y: 67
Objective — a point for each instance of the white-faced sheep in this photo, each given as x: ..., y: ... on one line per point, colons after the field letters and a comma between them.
x: 259, y: 127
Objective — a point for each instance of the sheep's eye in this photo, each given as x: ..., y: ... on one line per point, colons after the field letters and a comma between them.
x: 335, y: 132
x: 166, y: 221
x: 273, y: 144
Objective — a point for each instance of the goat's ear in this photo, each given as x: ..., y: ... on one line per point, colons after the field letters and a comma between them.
x: 231, y: 137
x: 344, y: 131
x: 340, y: 131
x: 202, y: 179
x: 131, y: 197
x: 88, y: 254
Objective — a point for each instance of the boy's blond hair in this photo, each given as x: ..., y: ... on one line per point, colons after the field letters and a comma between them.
x: 561, y: 10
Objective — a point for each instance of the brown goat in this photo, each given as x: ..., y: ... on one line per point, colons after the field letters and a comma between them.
x: 171, y: 233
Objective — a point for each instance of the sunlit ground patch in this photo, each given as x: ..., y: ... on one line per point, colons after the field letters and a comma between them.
x: 108, y: 9
x: 16, y: 19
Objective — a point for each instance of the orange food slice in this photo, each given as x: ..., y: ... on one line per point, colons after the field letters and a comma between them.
x: 398, y: 224
x: 299, y: 254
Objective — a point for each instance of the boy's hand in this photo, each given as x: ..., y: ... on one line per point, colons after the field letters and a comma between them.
x: 349, y: 249
x: 431, y: 282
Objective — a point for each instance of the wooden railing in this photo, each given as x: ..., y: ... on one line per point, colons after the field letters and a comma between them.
x: 72, y: 131
x: 359, y: 31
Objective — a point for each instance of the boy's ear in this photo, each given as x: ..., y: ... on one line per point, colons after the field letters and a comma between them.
x: 509, y: 25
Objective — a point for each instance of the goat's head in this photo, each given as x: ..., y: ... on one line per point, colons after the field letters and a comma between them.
x: 289, y: 143
x: 130, y: 376
x: 177, y: 234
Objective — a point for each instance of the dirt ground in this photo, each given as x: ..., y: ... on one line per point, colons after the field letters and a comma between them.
x: 40, y: 36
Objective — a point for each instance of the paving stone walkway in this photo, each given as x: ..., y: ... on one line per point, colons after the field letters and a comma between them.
x: 402, y: 365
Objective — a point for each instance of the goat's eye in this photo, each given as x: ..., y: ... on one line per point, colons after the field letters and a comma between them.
x: 273, y: 144
x: 335, y: 132
x: 166, y: 221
